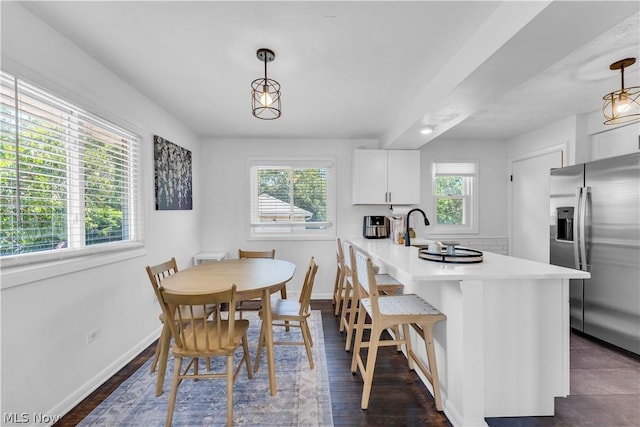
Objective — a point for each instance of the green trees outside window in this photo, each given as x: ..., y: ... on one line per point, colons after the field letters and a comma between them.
x: 303, y: 189
x: 33, y: 206
x: 449, y: 199
x: 292, y: 198
x: 68, y: 178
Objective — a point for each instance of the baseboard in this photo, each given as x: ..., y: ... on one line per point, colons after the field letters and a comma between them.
x: 90, y: 386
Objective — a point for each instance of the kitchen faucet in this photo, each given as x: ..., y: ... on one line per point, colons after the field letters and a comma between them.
x: 407, y: 239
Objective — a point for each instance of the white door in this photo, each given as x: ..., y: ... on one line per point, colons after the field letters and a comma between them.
x: 530, y: 205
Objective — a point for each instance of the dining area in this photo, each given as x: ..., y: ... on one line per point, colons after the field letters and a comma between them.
x: 206, y: 314
x: 223, y: 323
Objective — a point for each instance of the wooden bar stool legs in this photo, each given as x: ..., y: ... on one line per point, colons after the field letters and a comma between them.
x: 390, y: 312
x: 431, y: 373
x: 367, y: 370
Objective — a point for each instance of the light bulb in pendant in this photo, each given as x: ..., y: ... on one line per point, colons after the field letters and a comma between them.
x: 265, y: 98
x: 623, y: 103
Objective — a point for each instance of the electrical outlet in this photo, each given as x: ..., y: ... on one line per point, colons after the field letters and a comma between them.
x: 94, y: 335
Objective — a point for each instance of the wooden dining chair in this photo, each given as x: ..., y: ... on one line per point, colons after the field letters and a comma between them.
x: 389, y: 312
x: 196, y: 337
x: 384, y: 282
x: 156, y: 274
x: 291, y: 313
x: 258, y: 254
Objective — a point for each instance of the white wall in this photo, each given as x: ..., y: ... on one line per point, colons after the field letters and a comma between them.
x: 46, y: 365
x: 585, y: 136
x: 492, y: 180
x: 225, y: 207
x: 226, y: 195
x: 555, y: 134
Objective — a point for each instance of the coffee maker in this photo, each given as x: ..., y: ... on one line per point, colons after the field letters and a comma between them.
x: 375, y: 227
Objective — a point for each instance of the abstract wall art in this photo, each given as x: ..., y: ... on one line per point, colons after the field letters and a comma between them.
x: 173, y: 185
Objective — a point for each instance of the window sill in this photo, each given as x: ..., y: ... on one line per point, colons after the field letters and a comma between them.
x: 21, y: 274
x: 308, y: 237
x: 451, y: 230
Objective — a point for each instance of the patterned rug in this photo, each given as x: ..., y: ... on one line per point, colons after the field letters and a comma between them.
x: 303, y: 397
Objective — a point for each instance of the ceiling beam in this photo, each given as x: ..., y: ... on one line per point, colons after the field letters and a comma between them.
x: 517, y: 42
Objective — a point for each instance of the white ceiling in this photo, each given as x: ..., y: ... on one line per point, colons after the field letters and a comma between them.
x: 477, y: 69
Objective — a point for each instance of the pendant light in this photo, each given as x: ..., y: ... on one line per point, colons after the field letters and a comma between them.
x: 265, y: 92
x: 622, y: 106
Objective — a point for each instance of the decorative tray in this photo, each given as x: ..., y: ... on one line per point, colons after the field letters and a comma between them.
x: 460, y: 256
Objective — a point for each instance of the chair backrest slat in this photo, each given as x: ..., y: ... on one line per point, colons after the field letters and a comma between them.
x: 189, y: 310
x: 339, y: 252
x: 307, y: 287
x: 365, y: 278
x: 257, y: 254
x: 361, y: 271
x: 158, y: 272
x: 347, y: 258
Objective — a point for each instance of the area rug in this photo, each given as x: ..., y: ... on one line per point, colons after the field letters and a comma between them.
x: 303, y: 397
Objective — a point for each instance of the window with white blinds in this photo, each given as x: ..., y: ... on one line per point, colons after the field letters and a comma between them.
x: 292, y: 198
x: 69, y: 181
x: 454, y: 197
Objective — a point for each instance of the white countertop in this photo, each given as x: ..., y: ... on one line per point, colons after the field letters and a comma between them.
x: 493, y: 266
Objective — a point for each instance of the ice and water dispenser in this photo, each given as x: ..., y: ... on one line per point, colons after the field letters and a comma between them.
x: 564, y: 223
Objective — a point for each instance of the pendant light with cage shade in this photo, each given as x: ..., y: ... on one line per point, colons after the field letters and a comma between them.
x: 265, y: 92
x: 623, y: 105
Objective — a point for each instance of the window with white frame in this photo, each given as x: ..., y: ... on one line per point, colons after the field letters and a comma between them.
x: 292, y: 198
x: 454, y: 197
x: 69, y: 183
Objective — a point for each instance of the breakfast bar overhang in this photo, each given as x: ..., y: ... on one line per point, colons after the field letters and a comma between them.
x: 503, y: 350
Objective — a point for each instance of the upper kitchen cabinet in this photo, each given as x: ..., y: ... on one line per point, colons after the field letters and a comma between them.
x: 386, y: 177
x: 616, y: 142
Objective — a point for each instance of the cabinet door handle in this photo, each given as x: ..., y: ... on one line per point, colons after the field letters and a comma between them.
x: 389, y: 196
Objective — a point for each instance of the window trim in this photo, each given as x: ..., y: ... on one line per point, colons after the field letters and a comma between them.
x: 28, y: 267
x: 296, y: 162
x: 468, y: 169
x: 32, y: 271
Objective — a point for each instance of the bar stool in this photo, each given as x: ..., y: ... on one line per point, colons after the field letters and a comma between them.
x: 338, y: 287
x: 341, y: 279
x: 384, y: 283
x: 386, y: 312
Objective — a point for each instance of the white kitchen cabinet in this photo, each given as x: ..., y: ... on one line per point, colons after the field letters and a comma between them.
x: 386, y: 177
x: 616, y: 142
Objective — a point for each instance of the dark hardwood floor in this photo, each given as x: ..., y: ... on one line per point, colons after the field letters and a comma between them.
x: 398, y: 397
x: 605, y: 388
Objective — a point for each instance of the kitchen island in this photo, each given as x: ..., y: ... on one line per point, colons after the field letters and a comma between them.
x: 503, y: 350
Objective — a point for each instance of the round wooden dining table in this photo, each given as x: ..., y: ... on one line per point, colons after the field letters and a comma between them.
x: 253, y: 277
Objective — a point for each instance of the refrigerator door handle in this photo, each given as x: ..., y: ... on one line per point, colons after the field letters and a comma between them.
x: 586, y: 191
x: 576, y: 230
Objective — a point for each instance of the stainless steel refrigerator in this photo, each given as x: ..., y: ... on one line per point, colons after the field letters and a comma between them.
x: 595, y: 226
